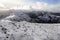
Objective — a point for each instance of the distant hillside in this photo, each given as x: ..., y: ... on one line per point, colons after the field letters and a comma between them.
x: 30, y: 16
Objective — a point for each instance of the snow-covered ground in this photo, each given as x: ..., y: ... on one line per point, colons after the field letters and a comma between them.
x: 28, y: 31
x: 24, y: 26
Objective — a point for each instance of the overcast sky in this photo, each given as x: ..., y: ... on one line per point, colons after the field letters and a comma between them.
x: 51, y: 5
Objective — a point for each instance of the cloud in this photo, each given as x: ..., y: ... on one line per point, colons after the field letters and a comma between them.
x: 2, y: 6
x: 29, y: 5
x: 47, y: 7
x: 39, y: 6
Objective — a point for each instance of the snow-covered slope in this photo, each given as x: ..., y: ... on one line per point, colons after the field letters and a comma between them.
x: 29, y: 31
x: 29, y: 26
x: 33, y: 16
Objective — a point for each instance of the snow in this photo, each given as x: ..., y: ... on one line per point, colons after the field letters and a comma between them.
x: 29, y: 31
x: 23, y: 26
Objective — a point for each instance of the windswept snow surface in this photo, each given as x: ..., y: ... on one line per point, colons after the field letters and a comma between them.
x: 28, y: 26
x: 28, y: 31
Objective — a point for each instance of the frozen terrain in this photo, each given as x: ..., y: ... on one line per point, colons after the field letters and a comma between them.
x: 30, y: 26
x: 29, y: 31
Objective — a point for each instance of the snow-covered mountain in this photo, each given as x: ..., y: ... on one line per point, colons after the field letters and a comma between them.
x: 30, y: 25
x: 33, y: 16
